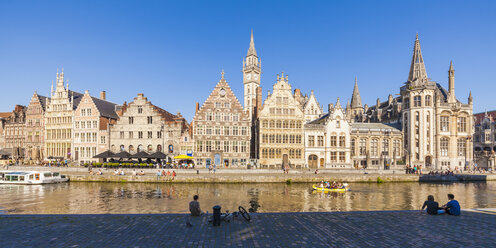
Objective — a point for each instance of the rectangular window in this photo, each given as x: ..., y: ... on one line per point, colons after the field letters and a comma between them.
x: 102, y: 139
x: 159, y: 134
x: 235, y: 131
x: 462, y: 124
x: 444, y: 145
x: 311, y: 141
x: 217, y: 145
x: 363, y: 147
x: 226, y: 146
x: 342, y: 141
x: 150, y: 134
x: 417, y: 101
x: 373, y: 147
x: 320, y: 141
x: 333, y: 157
x: 333, y: 141
x: 385, y: 147
x: 208, y: 146
x: 95, y: 124
x: 140, y: 109
x: 121, y: 135
x: 131, y: 120
x: 130, y: 135
x: 461, y: 147
x: 342, y: 157
x: 444, y: 125
x: 226, y: 131
x: 150, y: 119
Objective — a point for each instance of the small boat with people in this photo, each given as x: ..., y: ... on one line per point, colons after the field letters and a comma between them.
x: 31, y: 177
x: 328, y: 187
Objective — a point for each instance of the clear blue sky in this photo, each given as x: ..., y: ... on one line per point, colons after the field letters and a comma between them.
x: 173, y: 52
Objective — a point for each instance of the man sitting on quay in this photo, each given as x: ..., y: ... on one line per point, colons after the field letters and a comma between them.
x: 452, y: 207
x: 194, y: 207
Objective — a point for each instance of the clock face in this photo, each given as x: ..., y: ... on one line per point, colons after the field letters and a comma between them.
x: 222, y: 92
x: 256, y: 77
x: 248, y: 76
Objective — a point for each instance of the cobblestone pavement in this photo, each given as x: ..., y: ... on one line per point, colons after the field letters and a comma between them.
x: 343, y: 229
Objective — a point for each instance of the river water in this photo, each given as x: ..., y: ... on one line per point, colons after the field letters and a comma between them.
x: 123, y: 198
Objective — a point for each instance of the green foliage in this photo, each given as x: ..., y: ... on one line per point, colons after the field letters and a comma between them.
x: 288, y: 181
x: 380, y: 180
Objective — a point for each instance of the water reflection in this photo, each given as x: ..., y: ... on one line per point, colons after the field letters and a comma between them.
x: 78, y: 198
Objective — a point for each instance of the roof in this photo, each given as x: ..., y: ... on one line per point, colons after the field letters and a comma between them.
x: 480, y: 116
x: 395, y: 127
x: 5, y: 114
x: 106, y: 109
x: 43, y: 101
x: 77, y: 98
x: 320, y: 120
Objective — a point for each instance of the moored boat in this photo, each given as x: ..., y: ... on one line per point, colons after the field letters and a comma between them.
x: 31, y: 177
x: 330, y: 190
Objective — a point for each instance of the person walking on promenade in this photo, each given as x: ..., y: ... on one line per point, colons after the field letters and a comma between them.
x: 168, y: 174
x: 173, y: 174
x: 158, y: 174
x: 452, y: 207
x: 432, y: 206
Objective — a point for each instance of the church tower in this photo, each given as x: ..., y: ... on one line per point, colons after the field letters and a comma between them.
x: 251, y: 77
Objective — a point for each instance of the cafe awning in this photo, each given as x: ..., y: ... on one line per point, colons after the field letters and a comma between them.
x: 141, y: 154
x: 122, y: 154
x: 183, y: 157
x: 106, y: 154
x: 159, y: 155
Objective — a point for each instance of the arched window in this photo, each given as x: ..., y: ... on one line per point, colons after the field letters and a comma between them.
x: 159, y: 148
x: 131, y: 148
x: 150, y: 148
x: 140, y: 148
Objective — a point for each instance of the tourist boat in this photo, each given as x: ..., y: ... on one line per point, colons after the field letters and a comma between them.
x: 31, y: 177
x: 330, y: 190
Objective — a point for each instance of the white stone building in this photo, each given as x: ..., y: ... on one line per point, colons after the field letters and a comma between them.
x: 146, y: 127
x: 327, y: 140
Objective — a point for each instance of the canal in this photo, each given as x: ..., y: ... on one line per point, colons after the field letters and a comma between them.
x: 126, y: 198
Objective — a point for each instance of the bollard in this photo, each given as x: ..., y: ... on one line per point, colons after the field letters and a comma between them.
x: 216, y: 215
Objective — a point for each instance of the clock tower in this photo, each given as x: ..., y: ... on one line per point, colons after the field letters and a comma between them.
x: 251, y: 77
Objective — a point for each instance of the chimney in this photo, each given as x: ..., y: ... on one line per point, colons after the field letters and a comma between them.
x: 103, y: 95
x: 330, y: 107
x: 197, y: 108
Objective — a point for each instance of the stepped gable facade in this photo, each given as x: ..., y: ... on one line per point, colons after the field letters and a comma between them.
x: 59, y: 120
x: 221, y: 129
x: 281, y: 132
x: 327, y: 140
x: 92, y: 120
x: 13, y: 126
x: 35, y: 128
x: 143, y: 126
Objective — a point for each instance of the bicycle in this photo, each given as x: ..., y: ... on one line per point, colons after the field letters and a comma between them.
x: 228, y: 217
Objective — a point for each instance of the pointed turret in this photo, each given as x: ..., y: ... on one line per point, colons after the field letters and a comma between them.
x: 417, y: 68
x: 251, y: 49
x: 356, y: 100
x: 451, y: 83
x: 338, y: 103
x: 470, y: 99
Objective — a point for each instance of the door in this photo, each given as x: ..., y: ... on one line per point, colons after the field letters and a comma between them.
x: 285, y: 159
x: 312, y: 161
x: 322, y: 163
x: 217, y: 159
x: 428, y: 161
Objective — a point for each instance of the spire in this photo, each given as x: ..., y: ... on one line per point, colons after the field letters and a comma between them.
x: 356, y: 100
x: 451, y: 83
x: 338, y: 103
x: 417, y: 68
x: 251, y: 50
x: 222, y: 75
x: 348, y: 105
x: 470, y: 99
